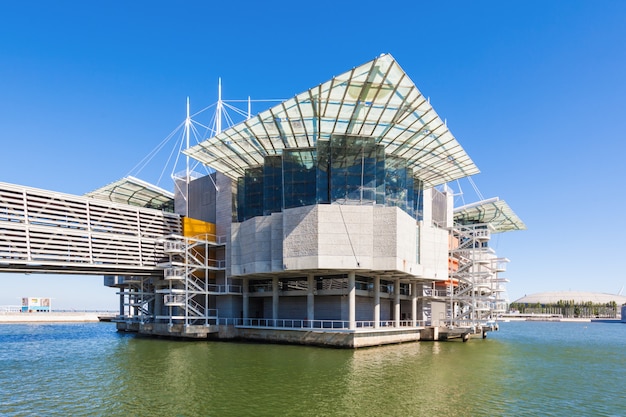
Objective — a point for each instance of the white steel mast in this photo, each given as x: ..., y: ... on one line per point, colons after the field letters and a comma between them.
x: 187, y: 170
x: 219, y: 109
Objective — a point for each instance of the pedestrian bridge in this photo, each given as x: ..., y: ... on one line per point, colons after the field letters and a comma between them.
x: 49, y: 232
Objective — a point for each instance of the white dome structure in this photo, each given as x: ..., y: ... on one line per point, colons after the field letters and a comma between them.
x: 578, y: 297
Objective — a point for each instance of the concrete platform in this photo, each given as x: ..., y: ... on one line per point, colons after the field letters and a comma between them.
x: 349, y: 339
x: 70, y: 317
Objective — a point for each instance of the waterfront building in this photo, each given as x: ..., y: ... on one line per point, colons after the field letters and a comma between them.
x: 35, y: 305
x: 327, y: 219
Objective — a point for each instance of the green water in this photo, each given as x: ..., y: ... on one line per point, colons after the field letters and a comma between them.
x: 560, y: 369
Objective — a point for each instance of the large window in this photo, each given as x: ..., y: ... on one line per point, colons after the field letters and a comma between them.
x: 344, y: 170
x: 272, y: 185
x: 299, y: 176
x: 353, y: 163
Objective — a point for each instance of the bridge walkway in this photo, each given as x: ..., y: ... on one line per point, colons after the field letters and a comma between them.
x: 49, y: 232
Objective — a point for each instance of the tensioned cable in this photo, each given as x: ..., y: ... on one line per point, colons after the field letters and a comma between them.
x: 349, y: 238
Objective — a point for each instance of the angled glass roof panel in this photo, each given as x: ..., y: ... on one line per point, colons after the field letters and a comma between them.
x: 375, y: 99
x: 134, y: 192
x: 495, y: 212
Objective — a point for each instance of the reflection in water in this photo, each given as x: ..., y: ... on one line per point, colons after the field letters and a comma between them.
x: 429, y: 378
x: 526, y: 369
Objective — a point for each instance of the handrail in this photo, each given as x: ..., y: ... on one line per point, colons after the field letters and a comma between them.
x: 301, y: 324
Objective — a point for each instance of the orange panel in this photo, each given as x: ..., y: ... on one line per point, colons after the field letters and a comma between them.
x: 194, y: 227
x: 453, y: 264
x: 454, y: 282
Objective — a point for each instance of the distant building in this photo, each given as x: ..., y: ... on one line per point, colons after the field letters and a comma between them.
x: 584, y: 304
x: 35, y: 305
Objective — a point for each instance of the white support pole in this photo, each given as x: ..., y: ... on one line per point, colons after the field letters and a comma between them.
x: 396, y: 290
x: 376, y: 302
x: 310, y: 299
x: 218, y: 111
x: 187, y: 144
x: 274, y: 299
x: 414, y: 304
x: 352, y: 300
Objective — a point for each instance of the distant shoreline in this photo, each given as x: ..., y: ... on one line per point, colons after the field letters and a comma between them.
x: 61, y: 317
x: 561, y: 319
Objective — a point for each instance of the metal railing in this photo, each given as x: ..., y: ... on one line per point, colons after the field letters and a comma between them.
x: 302, y: 324
x: 225, y: 289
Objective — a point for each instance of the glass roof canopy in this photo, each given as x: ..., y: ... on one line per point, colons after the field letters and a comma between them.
x: 376, y: 99
x: 496, y: 212
x: 134, y: 192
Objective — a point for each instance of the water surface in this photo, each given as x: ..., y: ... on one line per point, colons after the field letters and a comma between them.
x: 527, y: 368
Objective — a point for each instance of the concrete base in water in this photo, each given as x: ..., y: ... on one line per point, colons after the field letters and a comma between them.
x: 337, y: 338
x: 340, y: 339
x: 350, y: 339
x: 52, y: 317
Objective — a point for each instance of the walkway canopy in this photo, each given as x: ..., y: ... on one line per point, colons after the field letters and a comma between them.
x: 134, y: 192
x: 494, y: 211
x: 376, y: 99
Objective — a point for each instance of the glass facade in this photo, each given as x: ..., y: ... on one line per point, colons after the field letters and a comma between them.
x: 344, y: 170
x: 299, y: 176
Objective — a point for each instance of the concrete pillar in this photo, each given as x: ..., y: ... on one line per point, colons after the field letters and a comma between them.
x: 158, y: 304
x: 310, y: 299
x: 274, y: 299
x: 376, y: 302
x: 414, y: 303
x: 122, y: 303
x: 396, y: 303
x: 246, y: 298
x: 351, y: 300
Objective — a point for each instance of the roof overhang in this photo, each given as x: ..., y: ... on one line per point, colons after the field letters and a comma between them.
x: 376, y: 99
x: 494, y: 212
x: 134, y: 192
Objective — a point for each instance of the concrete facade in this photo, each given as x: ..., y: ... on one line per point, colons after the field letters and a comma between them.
x: 338, y: 237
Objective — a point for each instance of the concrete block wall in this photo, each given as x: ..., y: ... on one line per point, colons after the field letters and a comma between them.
x: 224, y: 212
x: 336, y: 236
x: 276, y: 243
x: 300, y: 238
x: 434, y: 252
x: 345, y: 236
x: 251, y: 246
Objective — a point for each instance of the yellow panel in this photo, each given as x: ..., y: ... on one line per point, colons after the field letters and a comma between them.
x: 194, y: 227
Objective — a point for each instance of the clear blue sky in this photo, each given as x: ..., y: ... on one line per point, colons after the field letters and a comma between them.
x: 533, y: 90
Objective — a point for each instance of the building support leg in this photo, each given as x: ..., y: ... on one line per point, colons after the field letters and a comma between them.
x: 396, y: 302
x: 376, y: 302
x: 122, y: 303
x: 414, y: 304
x: 274, y: 299
x: 246, y: 299
x: 310, y: 299
x: 351, y: 300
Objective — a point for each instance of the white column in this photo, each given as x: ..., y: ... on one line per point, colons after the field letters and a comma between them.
x: 351, y: 300
x: 246, y: 298
x: 414, y: 303
x: 274, y: 299
x: 310, y: 299
x: 396, y: 290
x: 376, y: 302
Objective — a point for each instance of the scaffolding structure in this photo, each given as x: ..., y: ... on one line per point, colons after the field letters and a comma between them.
x: 476, y: 292
x: 191, y: 277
